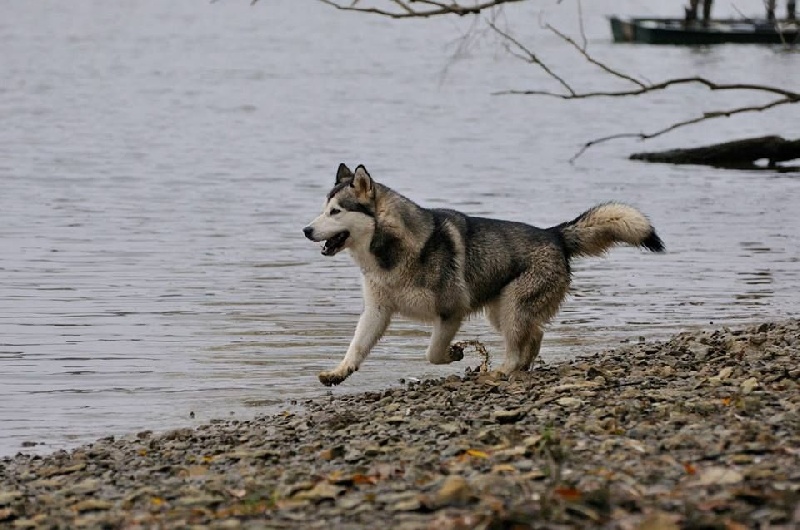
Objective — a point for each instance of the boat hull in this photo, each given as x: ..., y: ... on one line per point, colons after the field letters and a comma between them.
x: 677, y: 32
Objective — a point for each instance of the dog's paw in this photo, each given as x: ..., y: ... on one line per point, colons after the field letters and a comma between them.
x: 334, y: 377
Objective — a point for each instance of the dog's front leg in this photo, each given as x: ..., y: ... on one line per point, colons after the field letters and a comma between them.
x: 439, y: 351
x: 371, y: 325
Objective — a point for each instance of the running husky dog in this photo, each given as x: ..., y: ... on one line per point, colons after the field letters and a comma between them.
x: 440, y: 266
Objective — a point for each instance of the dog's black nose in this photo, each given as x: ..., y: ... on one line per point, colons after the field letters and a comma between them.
x: 308, y: 231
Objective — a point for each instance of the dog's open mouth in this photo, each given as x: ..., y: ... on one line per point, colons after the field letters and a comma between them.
x: 335, y: 244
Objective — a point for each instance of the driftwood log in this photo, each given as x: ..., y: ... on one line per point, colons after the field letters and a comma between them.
x: 738, y: 154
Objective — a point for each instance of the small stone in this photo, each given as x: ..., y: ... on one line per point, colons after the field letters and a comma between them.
x: 748, y: 385
x: 85, y: 487
x: 700, y: 351
x: 348, y: 503
x: 451, y: 428
x: 594, y: 372
x: 409, y: 505
x: 659, y: 521
x: 725, y: 372
x: 353, y: 456
x: 569, y: 402
x: 508, y: 416
x: 525, y: 465
x: 718, y: 476
x: 372, y: 450
x: 454, y: 491
x: 321, y: 491
x: 401, y: 501
x: 92, y: 505
x: 198, y: 500
x: 8, y: 497
x: 742, y: 459
x: 332, y: 453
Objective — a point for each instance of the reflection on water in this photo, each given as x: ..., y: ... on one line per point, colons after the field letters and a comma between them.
x: 158, y: 160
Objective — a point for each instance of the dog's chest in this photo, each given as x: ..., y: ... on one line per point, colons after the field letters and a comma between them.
x: 406, y: 298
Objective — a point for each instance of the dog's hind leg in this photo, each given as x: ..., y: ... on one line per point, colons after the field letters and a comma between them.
x: 525, y: 306
x: 518, y: 341
x: 371, y: 327
x: 443, y: 332
x: 534, y: 346
x: 516, y: 326
x: 496, y: 314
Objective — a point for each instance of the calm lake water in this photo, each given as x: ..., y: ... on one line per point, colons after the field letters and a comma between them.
x: 159, y: 159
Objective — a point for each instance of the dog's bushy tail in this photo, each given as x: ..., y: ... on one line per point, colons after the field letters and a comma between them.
x: 598, y: 229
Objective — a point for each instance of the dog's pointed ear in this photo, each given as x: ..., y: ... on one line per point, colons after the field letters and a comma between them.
x: 343, y: 174
x: 363, y: 183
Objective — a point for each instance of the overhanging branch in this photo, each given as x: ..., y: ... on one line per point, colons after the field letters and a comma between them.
x: 434, y: 8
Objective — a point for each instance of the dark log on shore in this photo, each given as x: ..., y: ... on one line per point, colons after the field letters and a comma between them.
x: 738, y: 154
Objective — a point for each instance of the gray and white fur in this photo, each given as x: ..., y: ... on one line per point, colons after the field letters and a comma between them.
x: 440, y: 266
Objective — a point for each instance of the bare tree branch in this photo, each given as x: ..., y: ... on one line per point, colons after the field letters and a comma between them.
x: 678, y: 125
x: 435, y: 8
x: 589, y: 58
x: 792, y: 97
x: 531, y: 57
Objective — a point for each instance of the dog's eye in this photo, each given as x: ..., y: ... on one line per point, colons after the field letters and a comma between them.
x: 334, y: 211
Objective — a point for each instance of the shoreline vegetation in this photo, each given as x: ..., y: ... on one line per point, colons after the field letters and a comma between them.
x: 699, y: 431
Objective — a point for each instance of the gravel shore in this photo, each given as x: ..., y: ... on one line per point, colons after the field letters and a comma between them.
x: 701, y: 431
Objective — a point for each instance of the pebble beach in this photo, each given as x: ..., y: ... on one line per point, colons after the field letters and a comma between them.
x: 698, y: 431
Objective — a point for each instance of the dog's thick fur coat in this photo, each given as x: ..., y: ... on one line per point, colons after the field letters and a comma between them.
x: 440, y: 266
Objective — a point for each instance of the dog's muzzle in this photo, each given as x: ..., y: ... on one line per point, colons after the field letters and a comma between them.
x: 332, y: 245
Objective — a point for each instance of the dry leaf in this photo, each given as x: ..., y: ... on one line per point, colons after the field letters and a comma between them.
x: 360, y: 479
x: 568, y: 494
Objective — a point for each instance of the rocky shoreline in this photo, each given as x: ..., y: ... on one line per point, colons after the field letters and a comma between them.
x: 700, y: 431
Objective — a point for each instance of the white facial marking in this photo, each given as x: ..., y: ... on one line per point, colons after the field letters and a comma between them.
x: 328, y: 224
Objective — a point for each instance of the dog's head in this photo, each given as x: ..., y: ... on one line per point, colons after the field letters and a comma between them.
x: 348, y: 215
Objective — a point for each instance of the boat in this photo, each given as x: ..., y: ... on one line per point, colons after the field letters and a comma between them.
x: 677, y: 31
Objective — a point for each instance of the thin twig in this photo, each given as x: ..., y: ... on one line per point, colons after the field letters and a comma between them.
x: 437, y: 8
x: 584, y: 41
x: 589, y: 58
x: 531, y: 57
